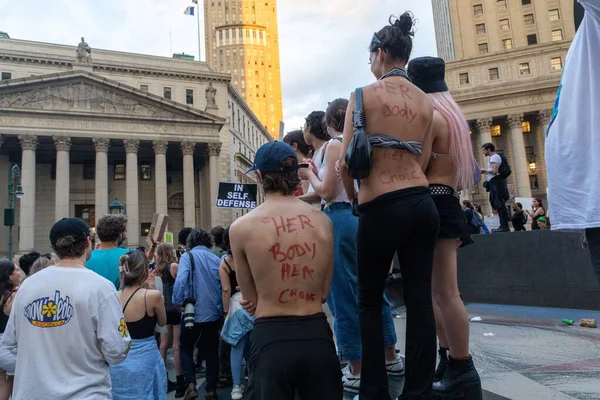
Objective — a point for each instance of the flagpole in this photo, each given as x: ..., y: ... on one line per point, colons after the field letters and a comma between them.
x: 198, y: 20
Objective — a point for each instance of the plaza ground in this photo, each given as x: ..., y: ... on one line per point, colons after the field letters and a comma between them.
x: 523, y: 353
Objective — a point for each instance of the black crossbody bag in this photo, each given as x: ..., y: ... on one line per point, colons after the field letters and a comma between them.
x: 359, y: 154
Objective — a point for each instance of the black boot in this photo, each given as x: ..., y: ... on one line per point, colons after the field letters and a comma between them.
x: 180, y: 391
x: 441, y: 368
x: 460, y: 381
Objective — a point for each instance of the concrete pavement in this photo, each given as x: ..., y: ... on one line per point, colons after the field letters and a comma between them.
x: 524, y: 353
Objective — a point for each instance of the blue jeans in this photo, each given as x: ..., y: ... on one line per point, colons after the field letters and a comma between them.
x: 343, y: 296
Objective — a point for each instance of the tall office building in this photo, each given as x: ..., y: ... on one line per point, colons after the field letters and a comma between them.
x: 242, y: 40
x: 504, y: 62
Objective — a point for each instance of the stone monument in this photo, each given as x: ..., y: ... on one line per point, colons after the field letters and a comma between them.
x: 211, y: 93
x: 84, y: 53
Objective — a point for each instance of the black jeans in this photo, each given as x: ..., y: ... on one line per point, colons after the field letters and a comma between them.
x: 294, y: 354
x: 405, y: 221
x: 593, y: 240
x: 498, y: 197
x: 206, y: 336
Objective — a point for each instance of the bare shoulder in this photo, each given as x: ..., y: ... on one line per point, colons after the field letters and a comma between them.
x: 153, y: 295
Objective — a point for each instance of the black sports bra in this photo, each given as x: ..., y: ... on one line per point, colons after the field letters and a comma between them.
x: 144, y: 327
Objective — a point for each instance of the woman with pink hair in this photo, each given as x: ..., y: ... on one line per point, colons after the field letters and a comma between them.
x: 452, y: 167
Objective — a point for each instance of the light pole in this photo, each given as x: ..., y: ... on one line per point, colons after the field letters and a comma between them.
x: 9, y: 213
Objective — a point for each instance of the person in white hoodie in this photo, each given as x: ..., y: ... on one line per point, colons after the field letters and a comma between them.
x: 66, y: 325
x: 573, y: 138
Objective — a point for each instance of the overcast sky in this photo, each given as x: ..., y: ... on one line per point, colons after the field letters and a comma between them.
x: 323, y: 43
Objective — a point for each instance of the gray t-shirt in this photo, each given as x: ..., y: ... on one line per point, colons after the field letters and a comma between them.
x: 65, y: 327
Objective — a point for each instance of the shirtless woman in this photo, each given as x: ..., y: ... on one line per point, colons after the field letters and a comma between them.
x: 284, y: 263
x: 451, y: 167
x: 397, y: 213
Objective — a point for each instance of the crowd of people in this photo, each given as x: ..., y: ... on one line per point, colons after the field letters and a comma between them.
x: 371, y: 177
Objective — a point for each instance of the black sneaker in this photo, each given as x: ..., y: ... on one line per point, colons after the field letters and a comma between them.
x: 171, y: 386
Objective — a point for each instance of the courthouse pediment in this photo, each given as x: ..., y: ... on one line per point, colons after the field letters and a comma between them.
x: 82, y: 92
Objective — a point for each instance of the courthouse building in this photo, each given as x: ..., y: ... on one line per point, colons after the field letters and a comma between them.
x: 86, y: 128
x: 504, y: 64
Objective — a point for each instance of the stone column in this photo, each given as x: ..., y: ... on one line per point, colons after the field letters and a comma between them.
x: 132, y: 195
x: 520, y: 165
x: 189, y: 197
x: 160, y: 176
x: 540, y: 142
x: 214, y: 149
x: 61, y: 198
x: 27, y: 203
x: 101, y: 192
x: 484, y: 126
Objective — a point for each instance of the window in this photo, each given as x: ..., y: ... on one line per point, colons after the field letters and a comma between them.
x: 478, y: 9
x: 554, y: 14
x: 144, y: 88
x: 6, y: 76
x: 533, y: 182
x: 557, y: 35
x: 167, y: 93
x: 480, y: 28
x: 529, y: 20
x: 496, y: 131
x: 532, y: 39
x: 145, y: 228
x: 464, y: 78
x: 483, y: 48
x: 146, y: 172
x: 525, y: 2
x: 89, y: 170
x: 524, y: 69
x: 119, y: 172
x: 494, y: 74
x: 525, y: 127
x: 189, y: 96
x: 504, y: 24
x: 556, y: 64
x: 507, y: 44
x: 502, y: 4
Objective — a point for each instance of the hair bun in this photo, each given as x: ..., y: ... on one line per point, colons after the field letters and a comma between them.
x: 405, y: 24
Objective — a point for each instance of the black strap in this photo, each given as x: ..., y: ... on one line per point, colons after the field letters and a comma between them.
x: 228, y: 266
x: 130, y: 297
x: 192, y: 267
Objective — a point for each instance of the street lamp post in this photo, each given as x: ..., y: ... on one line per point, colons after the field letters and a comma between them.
x: 116, y: 207
x: 9, y: 213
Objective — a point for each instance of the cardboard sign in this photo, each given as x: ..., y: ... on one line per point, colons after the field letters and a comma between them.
x: 237, y: 195
x: 157, y: 229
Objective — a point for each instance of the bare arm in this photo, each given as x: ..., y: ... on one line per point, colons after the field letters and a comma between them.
x: 173, y: 270
x: 158, y: 303
x: 347, y: 180
x: 310, y: 197
x: 327, y: 188
x: 242, y: 269
x: 329, y: 272
x: 225, y: 286
x: 427, y: 143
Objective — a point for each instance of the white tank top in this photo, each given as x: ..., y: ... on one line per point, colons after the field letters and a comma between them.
x: 340, y: 192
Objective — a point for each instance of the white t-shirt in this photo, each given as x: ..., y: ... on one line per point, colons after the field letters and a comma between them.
x: 495, y: 158
x: 573, y: 138
x: 65, y: 326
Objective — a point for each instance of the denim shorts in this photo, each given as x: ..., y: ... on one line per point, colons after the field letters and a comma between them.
x: 343, y: 296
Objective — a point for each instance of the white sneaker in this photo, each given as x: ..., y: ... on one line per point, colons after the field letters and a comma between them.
x: 350, y: 381
x: 237, y: 393
x: 395, y: 367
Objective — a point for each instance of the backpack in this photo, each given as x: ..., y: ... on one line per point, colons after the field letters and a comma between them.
x: 476, y: 220
x: 504, y: 170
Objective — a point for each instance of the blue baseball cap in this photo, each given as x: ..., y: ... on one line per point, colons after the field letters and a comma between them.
x: 269, y: 158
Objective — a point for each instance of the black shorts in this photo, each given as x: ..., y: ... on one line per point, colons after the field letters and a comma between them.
x: 292, y: 354
x: 453, y: 224
x: 173, y: 317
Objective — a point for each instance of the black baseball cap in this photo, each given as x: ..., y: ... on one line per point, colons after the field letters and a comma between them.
x: 75, y: 227
x: 269, y: 158
x: 428, y: 74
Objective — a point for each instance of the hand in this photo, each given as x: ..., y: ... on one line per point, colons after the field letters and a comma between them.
x: 483, y: 171
x: 303, y: 173
x: 246, y: 305
x: 150, y: 283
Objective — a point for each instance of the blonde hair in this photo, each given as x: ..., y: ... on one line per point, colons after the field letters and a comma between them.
x: 165, y: 254
x: 41, y: 263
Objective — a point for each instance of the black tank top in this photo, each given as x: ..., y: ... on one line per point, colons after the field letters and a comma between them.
x: 3, y: 321
x: 144, y: 327
x: 168, y: 284
x: 232, y: 278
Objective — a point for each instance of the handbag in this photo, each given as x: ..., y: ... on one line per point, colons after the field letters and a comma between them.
x: 359, y: 154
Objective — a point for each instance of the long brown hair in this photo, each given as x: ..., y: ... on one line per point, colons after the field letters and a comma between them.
x: 165, y: 254
x: 133, y: 268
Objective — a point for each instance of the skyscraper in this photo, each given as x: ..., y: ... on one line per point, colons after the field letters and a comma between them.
x: 242, y: 39
x: 504, y: 61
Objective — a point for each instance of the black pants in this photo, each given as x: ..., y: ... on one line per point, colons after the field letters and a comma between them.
x: 498, y: 197
x: 205, y: 336
x: 405, y: 221
x: 593, y: 240
x: 292, y: 354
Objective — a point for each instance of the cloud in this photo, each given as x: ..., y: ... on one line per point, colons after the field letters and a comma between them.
x: 322, y: 42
